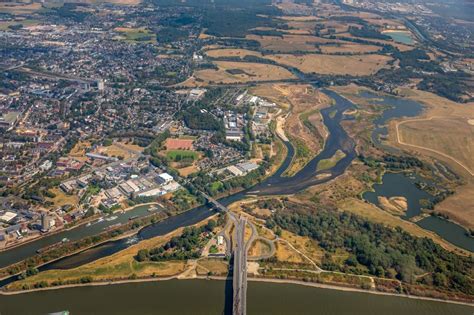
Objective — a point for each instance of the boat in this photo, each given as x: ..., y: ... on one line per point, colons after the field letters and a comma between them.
x: 64, y: 240
x: 133, y: 218
x: 100, y: 220
x: 111, y: 218
x: 88, y: 224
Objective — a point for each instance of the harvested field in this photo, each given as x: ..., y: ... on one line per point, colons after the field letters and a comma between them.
x: 399, y: 46
x: 16, y: 8
x: 335, y: 65
x: 460, y: 206
x: 289, y: 43
x: 230, y: 52
x: 349, y: 48
x: 450, y: 137
x: 238, y: 72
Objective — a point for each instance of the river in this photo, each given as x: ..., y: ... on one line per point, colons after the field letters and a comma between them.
x: 209, y: 297
x: 275, y: 184
x: 27, y: 250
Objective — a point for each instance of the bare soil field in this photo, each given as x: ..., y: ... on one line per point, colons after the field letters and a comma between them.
x: 238, y: 72
x: 336, y: 65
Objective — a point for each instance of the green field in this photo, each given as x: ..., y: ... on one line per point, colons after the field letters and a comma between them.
x: 178, y: 155
x: 4, y: 25
x: 332, y: 161
x: 136, y: 35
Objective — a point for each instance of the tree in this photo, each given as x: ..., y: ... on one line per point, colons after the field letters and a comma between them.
x: 142, y: 255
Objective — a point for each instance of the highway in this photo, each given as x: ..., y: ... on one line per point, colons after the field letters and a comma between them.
x: 239, y: 300
x: 239, y: 305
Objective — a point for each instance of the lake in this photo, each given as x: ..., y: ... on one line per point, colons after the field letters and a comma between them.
x: 402, y: 37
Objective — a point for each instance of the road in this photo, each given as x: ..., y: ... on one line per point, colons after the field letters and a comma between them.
x: 239, y: 301
x: 239, y: 306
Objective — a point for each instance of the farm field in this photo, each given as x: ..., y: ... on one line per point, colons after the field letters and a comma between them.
x: 16, y: 8
x: 348, y: 48
x: 335, y: 65
x: 232, y: 52
x: 452, y: 137
x: 289, y: 43
x: 238, y: 72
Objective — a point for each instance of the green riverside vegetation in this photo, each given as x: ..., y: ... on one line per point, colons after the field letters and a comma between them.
x: 378, y: 250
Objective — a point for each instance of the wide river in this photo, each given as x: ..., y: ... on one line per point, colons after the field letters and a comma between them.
x: 209, y: 297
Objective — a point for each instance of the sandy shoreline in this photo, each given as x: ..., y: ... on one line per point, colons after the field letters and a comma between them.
x: 217, y: 278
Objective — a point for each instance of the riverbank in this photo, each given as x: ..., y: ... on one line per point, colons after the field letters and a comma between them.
x: 21, y: 265
x: 253, y: 279
x: 75, y: 226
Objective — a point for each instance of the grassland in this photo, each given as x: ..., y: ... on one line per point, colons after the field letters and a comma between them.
x: 230, y: 72
x: 444, y: 133
x: 118, y: 266
x: 62, y: 199
x: 332, y: 161
x: 259, y: 248
x: 175, y: 155
x: 78, y: 152
x: 120, y: 150
x: 449, y: 136
x: 335, y: 65
x: 27, y: 22
x: 136, y: 35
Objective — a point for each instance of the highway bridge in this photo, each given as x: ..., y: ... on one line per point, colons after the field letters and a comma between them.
x: 239, y: 300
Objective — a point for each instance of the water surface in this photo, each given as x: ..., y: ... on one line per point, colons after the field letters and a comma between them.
x: 208, y: 297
